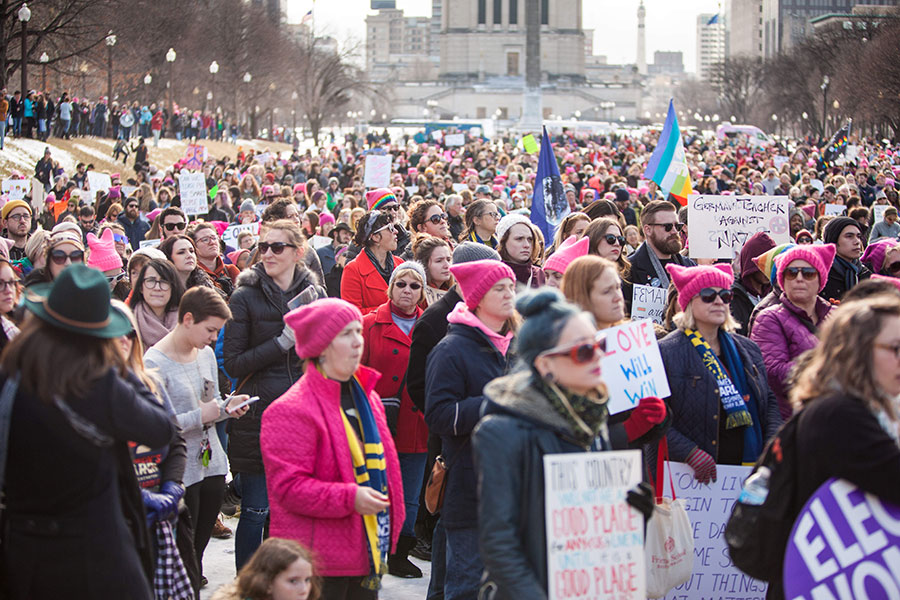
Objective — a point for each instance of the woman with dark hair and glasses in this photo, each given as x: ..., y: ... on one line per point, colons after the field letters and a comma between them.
x: 182, y: 253
x: 65, y: 248
x: 723, y: 411
x: 155, y: 297
x: 365, y: 280
x: 790, y: 327
x: 258, y: 351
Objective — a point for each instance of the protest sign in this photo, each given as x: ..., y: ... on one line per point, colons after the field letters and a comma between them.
x: 714, y: 576
x: 97, y: 182
x: 845, y: 544
x: 595, y: 540
x: 455, y: 139
x: 37, y: 195
x: 780, y: 161
x: 378, y: 171
x: 529, y: 144
x: 835, y: 209
x: 264, y: 157
x: 878, y: 212
x: 632, y: 367
x: 149, y: 243
x: 719, y: 225
x: 128, y: 190
x: 231, y: 233
x: 437, y: 135
x: 16, y: 189
x: 648, y: 302
x: 195, y: 156
x: 192, y: 187
x: 458, y: 187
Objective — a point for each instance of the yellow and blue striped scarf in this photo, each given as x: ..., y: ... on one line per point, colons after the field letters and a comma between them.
x: 369, y: 469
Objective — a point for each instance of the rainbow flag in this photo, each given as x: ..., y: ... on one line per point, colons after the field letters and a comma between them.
x: 667, y: 166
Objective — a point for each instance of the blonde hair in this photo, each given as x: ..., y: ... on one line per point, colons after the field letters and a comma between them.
x: 580, y: 276
x: 406, y: 271
x: 685, y: 320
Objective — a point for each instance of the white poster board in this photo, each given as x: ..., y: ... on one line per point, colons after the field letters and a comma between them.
x: 97, y: 182
x: 718, y: 226
x: 633, y: 368
x: 16, y: 189
x: 149, y: 243
x: 455, y: 139
x: 878, y: 212
x: 458, y: 187
x: 377, y: 171
x: 780, y: 161
x: 192, y: 187
x: 835, y: 209
x: 709, y: 507
x: 231, y: 233
x: 595, y: 539
x: 37, y: 195
x: 648, y: 302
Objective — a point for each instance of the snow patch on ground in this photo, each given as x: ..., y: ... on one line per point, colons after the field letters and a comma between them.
x: 25, y: 153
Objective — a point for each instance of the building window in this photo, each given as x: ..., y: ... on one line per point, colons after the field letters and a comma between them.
x: 498, y: 12
x: 482, y: 12
x: 545, y: 12
x: 512, y: 64
x: 513, y: 12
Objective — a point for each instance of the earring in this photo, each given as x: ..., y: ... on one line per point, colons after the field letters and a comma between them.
x: 548, y: 377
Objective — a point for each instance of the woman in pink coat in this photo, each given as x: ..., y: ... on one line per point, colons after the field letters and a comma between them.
x: 331, y: 467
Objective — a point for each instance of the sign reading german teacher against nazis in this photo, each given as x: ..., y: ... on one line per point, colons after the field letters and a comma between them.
x: 718, y: 226
x: 595, y: 539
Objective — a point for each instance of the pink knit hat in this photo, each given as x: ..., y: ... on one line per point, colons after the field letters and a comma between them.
x: 318, y: 323
x: 477, y: 277
x: 892, y: 280
x: 873, y: 257
x: 375, y: 199
x: 325, y: 218
x: 690, y: 280
x: 568, y: 251
x: 819, y: 256
x: 235, y: 256
x: 103, y: 252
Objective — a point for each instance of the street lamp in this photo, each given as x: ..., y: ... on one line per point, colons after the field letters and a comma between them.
x: 148, y: 79
x: 45, y: 58
x: 294, y: 96
x: 110, y: 42
x: 824, y: 88
x: 577, y: 114
x: 733, y: 119
x: 24, y: 16
x: 213, y: 69
x: 170, y: 58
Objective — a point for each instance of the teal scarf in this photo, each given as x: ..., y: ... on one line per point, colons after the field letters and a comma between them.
x: 735, y: 394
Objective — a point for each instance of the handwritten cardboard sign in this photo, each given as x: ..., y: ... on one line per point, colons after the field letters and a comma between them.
x: 16, y: 189
x: 37, y: 195
x: 149, y: 243
x: 835, y: 209
x: 878, y: 212
x: 97, y: 182
x: 455, y: 139
x: 231, y: 233
x: 709, y: 507
x: 192, y: 187
x: 377, y: 171
x: 718, y: 226
x: 648, y: 302
x: 845, y: 544
x: 595, y: 540
x: 633, y: 367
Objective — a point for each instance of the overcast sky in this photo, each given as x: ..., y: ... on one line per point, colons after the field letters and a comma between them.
x: 670, y: 25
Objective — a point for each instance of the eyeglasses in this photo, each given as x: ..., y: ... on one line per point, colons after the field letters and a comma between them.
x: 173, y: 226
x: 708, y: 295
x: 276, y: 247
x: 413, y: 286
x: 495, y: 215
x: 210, y: 239
x: 893, y: 267
x: 389, y: 227
x: 895, y: 348
x: 20, y: 217
x: 668, y: 226
x: 435, y: 219
x: 59, y: 256
x: 808, y: 273
x: 152, y: 283
x: 614, y: 239
x: 581, y: 353
x: 9, y: 284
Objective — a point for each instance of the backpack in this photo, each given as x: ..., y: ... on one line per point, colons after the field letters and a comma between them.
x: 757, y: 535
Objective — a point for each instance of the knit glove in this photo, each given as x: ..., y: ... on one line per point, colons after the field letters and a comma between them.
x: 154, y: 504
x: 650, y: 411
x: 641, y: 497
x: 173, y: 492
x: 703, y: 465
x: 286, y: 340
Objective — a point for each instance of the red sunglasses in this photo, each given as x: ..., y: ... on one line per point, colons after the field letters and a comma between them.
x: 581, y: 353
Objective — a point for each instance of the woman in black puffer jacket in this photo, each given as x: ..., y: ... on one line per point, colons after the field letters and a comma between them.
x: 258, y: 351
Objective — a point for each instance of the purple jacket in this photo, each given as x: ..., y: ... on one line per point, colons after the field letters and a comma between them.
x: 780, y: 333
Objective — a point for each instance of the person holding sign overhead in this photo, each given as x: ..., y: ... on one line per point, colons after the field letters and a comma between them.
x: 723, y: 410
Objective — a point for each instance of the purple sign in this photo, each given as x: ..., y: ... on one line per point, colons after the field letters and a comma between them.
x: 845, y: 544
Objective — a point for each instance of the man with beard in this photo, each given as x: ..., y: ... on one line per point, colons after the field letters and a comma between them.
x: 662, y: 244
x: 17, y: 225
x: 133, y: 223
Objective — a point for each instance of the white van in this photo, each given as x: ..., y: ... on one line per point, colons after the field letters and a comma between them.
x: 755, y: 135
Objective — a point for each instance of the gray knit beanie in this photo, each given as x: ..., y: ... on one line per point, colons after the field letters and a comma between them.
x: 410, y: 264
x: 472, y: 251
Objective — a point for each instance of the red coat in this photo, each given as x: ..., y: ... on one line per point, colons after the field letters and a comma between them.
x: 386, y: 350
x: 362, y: 285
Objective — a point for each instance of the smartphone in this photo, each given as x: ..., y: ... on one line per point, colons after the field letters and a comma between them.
x: 242, y: 404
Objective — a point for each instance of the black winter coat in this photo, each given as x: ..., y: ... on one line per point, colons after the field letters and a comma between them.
x: 836, y: 286
x: 250, y: 352
x: 427, y: 332
x: 742, y: 306
x: 458, y: 368
x: 519, y: 427
x: 642, y: 272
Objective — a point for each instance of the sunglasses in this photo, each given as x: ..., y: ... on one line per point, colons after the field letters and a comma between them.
x: 614, y: 239
x: 435, y: 219
x: 120, y: 238
x: 668, y: 226
x: 59, y: 256
x: 174, y: 226
x: 708, y: 295
x: 389, y: 227
x: 808, y: 273
x: 581, y: 353
x: 893, y: 267
x: 391, y: 207
x: 115, y: 278
x: 276, y: 247
x: 413, y: 286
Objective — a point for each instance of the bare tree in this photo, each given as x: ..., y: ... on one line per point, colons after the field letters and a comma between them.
x: 738, y: 83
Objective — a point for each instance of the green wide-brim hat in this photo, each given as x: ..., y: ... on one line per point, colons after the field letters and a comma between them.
x: 78, y: 301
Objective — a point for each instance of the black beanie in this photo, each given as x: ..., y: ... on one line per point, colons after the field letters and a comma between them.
x: 835, y: 226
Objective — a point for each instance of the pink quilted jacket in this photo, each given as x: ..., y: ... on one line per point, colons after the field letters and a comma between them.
x: 309, y: 473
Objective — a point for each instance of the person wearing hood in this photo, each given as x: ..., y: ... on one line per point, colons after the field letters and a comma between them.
x: 847, y: 270
x: 752, y: 284
x: 556, y: 405
x: 258, y: 351
x: 765, y: 262
x: 517, y: 240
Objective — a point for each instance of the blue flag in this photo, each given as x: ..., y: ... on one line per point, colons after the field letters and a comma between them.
x: 549, y: 205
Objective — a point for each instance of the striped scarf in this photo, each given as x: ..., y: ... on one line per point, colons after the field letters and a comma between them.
x: 490, y: 243
x: 370, y: 469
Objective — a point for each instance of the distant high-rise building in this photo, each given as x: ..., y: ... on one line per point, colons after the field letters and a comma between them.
x: 382, y: 4
x: 710, y: 43
x: 744, y: 27
x: 399, y: 47
x: 437, y: 16
x: 641, y: 40
x: 666, y: 63
x: 787, y: 22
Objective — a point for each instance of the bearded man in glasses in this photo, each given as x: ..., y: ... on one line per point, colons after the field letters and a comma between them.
x: 171, y: 222
x: 662, y: 244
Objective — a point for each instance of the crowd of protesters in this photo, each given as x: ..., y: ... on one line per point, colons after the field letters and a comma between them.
x: 309, y: 371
